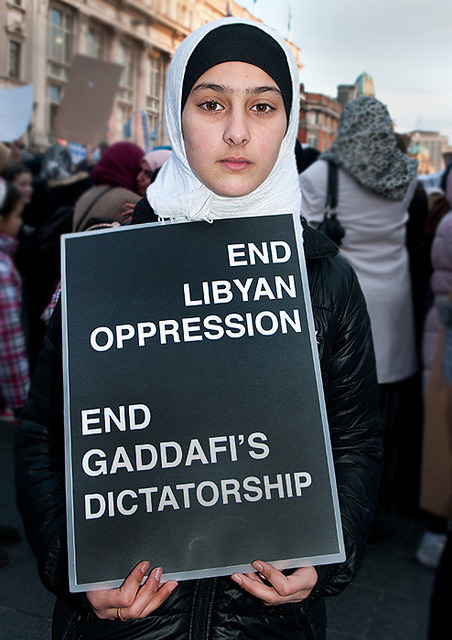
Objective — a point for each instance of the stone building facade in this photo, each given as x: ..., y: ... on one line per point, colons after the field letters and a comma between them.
x: 38, y: 39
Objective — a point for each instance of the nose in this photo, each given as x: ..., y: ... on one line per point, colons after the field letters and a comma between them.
x: 236, y: 131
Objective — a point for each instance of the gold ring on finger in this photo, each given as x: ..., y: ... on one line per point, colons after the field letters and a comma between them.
x: 119, y: 616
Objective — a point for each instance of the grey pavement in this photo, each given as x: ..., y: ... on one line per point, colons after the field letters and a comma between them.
x: 388, y: 600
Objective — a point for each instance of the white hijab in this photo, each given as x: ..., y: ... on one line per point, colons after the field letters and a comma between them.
x: 179, y: 195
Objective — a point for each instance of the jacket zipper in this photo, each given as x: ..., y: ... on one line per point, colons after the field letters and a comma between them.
x: 202, y: 609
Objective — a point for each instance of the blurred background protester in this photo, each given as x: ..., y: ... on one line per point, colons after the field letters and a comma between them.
x: 114, y: 179
x: 21, y: 177
x: 305, y: 156
x: 432, y: 543
x: 55, y: 189
x: 58, y: 173
x: 112, y: 182
x: 14, y: 369
x: 376, y: 183
x: 438, y: 204
x: 418, y: 249
x: 441, y: 597
x: 151, y: 164
x: 436, y: 493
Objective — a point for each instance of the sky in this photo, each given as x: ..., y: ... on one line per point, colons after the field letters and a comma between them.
x: 404, y: 45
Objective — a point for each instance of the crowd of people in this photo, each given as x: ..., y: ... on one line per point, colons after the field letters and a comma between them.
x: 41, y: 197
x: 375, y: 290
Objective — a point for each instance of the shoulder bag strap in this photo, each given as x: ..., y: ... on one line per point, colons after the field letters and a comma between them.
x: 85, y: 214
x: 331, y: 200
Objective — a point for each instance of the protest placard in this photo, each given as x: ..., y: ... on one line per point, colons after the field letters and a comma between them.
x: 88, y: 100
x: 196, y: 431
x: 16, y: 109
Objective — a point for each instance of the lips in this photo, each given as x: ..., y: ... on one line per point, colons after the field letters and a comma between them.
x: 236, y: 164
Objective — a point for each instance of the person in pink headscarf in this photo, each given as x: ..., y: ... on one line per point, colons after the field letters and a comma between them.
x: 150, y: 165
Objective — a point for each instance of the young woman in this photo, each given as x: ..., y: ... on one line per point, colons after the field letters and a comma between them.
x: 232, y: 108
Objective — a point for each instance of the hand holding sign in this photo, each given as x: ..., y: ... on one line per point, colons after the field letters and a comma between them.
x: 131, y: 601
x: 274, y: 587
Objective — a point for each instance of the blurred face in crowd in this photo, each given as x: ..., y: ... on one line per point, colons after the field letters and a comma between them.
x: 23, y: 182
x: 144, y: 177
x: 233, y: 123
x: 11, y: 224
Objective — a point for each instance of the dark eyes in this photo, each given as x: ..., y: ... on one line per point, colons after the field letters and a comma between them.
x: 213, y: 106
x: 262, y: 108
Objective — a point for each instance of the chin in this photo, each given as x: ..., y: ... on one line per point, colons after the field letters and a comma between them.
x: 233, y: 191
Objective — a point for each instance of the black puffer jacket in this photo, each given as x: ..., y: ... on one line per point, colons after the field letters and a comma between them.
x: 217, y: 609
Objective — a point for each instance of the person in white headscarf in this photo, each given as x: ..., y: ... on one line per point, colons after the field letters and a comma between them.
x: 231, y: 110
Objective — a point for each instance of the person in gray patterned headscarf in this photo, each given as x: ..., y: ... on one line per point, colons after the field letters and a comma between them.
x: 376, y: 182
x: 366, y: 148
x: 56, y: 163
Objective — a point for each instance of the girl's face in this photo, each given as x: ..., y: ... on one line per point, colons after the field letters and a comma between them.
x: 11, y: 224
x: 23, y: 182
x: 144, y: 178
x: 233, y: 124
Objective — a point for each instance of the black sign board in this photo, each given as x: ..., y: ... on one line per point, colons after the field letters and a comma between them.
x: 196, y: 434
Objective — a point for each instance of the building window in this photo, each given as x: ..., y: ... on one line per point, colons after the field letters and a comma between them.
x: 127, y: 59
x: 154, y: 78
x: 96, y: 41
x: 54, y: 103
x: 60, y: 26
x: 123, y: 113
x: 312, y: 140
x: 15, y: 50
x: 154, y: 92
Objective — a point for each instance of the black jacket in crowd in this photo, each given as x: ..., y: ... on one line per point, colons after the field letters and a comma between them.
x: 216, y: 608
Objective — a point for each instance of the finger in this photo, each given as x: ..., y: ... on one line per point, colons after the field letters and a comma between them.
x: 254, y: 585
x: 164, y: 591
x: 273, y: 587
x: 299, y: 582
x: 275, y: 578
x: 125, y: 596
x: 145, y: 594
x: 105, y: 602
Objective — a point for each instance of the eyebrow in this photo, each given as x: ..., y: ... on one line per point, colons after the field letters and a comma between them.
x: 220, y: 88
